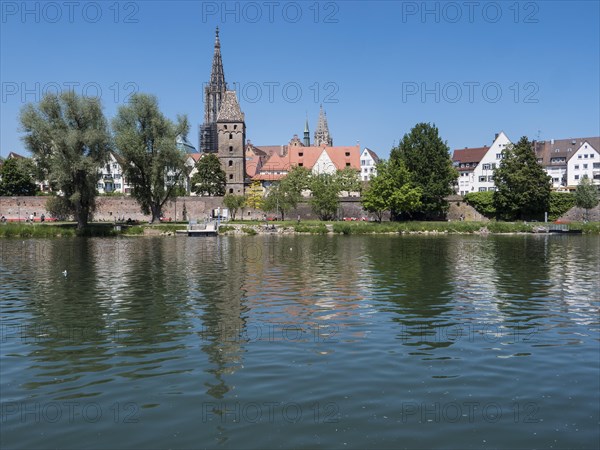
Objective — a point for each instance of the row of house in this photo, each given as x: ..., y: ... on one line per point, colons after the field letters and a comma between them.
x: 566, y: 161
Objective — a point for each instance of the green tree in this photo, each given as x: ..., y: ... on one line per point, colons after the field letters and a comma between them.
x: 280, y: 199
x: 427, y: 158
x: 17, y: 177
x: 233, y: 203
x: 325, y: 199
x: 69, y: 138
x: 586, y: 195
x: 284, y: 196
x: 522, y: 186
x: 391, y: 190
x: 210, y: 176
x: 146, y: 141
x: 349, y: 180
x: 254, y: 195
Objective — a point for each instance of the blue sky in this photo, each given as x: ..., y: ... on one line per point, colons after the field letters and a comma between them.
x: 378, y: 68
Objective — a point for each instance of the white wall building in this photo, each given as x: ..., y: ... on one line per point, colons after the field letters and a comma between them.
x: 476, y: 166
x: 583, y: 162
x: 111, y: 177
x: 368, y: 161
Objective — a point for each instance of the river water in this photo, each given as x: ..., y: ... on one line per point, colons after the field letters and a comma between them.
x: 301, y: 342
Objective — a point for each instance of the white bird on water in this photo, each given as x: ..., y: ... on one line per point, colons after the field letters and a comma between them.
x: 64, y: 273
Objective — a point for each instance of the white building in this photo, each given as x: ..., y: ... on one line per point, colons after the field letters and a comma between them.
x: 476, y: 166
x: 112, y: 178
x: 585, y: 161
x: 368, y: 163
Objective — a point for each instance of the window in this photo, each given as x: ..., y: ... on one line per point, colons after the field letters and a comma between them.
x: 225, y: 126
x: 301, y: 154
x: 347, y: 153
x: 486, y: 167
x: 493, y: 166
x: 230, y: 135
x: 362, y: 162
x: 231, y: 191
x: 585, y: 156
x: 482, y: 189
x: 300, y: 164
x: 555, y: 180
x: 234, y: 127
x: 347, y: 164
x: 585, y: 166
x: 491, y: 178
x: 596, y: 166
x: 578, y: 156
x: 231, y: 176
x: 230, y: 148
x: 100, y: 185
x: 577, y: 177
x: 230, y: 163
x: 117, y: 185
x: 498, y: 155
x: 482, y: 179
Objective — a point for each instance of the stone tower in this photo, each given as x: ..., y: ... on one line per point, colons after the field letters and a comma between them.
x: 231, y: 138
x: 306, y: 134
x: 214, y: 93
x: 322, y: 134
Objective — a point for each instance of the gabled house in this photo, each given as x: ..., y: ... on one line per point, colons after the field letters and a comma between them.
x: 476, y: 166
x: 585, y: 161
x: 368, y: 163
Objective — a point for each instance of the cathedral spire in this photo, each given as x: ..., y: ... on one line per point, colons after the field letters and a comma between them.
x: 214, y: 92
x: 217, y: 76
x: 322, y: 135
x: 306, y: 133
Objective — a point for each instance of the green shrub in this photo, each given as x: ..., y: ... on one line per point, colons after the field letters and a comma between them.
x: 135, y: 230
x: 483, y: 202
x: 250, y: 231
x: 560, y: 203
x: 314, y: 229
x: 225, y: 228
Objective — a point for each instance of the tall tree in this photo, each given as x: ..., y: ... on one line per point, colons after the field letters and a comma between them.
x: 391, y: 190
x: 233, y: 203
x: 280, y: 199
x: 69, y: 138
x: 325, y: 199
x: 17, y: 177
x: 427, y: 158
x: 586, y: 195
x: 522, y: 186
x: 255, y: 195
x: 146, y: 140
x: 210, y: 176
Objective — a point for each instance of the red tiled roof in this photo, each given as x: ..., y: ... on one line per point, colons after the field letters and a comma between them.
x: 343, y: 157
x: 469, y: 155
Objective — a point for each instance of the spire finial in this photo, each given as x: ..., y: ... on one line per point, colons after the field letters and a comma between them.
x: 217, y: 42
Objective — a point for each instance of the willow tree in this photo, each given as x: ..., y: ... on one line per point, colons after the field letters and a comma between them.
x: 152, y: 163
x: 69, y: 139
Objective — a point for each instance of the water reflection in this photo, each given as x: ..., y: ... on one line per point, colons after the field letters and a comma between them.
x: 194, y: 324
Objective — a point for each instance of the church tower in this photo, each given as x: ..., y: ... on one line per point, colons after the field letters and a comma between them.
x: 231, y: 138
x: 322, y: 134
x: 214, y: 93
x: 306, y: 134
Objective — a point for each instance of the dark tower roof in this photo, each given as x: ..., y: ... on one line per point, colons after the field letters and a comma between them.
x: 230, y: 109
x: 217, y: 75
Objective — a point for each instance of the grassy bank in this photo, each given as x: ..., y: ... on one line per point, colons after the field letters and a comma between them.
x: 310, y: 227
x: 67, y: 229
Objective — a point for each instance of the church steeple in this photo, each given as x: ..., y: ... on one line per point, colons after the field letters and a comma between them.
x: 322, y: 135
x: 214, y: 92
x: 217, y: 76
x: 306, y: 134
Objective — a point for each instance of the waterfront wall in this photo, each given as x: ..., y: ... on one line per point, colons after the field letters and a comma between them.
x: 111, y: 208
